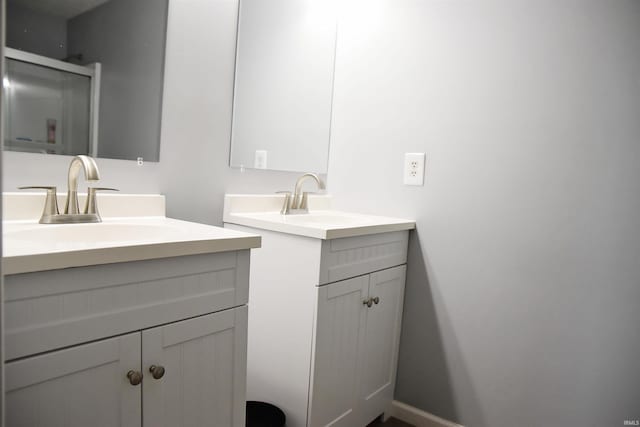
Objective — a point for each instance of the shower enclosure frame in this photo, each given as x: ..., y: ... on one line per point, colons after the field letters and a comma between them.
x: 93, y: 71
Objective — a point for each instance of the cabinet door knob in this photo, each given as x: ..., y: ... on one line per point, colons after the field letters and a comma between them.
x: 368, y: 302
x: 157, y: 371
x: 376, y: 300
x: 135, y: 377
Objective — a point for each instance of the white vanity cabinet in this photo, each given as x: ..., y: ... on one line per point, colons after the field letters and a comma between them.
x: 324, y: 325
x: 78, y: 338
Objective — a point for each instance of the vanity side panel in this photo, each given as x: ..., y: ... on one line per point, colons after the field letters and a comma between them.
x: 243, y: 263
x: 353, y: 256
x: 59, y: 308
x: 282, y: 303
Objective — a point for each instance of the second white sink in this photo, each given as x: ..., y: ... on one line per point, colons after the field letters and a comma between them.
x: 332, y: 218
x: 262, y: 211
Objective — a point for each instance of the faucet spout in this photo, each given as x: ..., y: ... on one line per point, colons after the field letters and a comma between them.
x: 91, y: 174
x: 299, y: 201
x: 303, y: 178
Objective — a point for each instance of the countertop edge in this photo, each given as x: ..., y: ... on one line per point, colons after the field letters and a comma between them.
x: 317, y: 233
x: 366, y: 230
x: 20, y: 264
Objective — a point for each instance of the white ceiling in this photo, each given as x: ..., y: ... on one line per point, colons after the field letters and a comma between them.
x: 62, y: 8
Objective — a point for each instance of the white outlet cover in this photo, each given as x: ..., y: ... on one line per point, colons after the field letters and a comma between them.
x: 260, y: 159
x: 414, y: 168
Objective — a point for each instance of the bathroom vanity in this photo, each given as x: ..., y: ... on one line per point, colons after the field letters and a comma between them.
x: 140, y: 320
x: 325, y: 309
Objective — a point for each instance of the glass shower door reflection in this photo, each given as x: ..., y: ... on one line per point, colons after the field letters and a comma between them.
x: 47, y: 110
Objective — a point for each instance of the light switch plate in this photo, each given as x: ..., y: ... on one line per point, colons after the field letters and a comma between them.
x: 414, y: 168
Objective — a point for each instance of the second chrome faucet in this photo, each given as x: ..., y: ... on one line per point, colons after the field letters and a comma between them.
x: 298, y: 202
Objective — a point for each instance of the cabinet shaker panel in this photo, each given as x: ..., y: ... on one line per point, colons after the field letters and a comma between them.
x: 80, y: 386
x: 203, y: 380
x: 382, y: 340
x: 339, y: 338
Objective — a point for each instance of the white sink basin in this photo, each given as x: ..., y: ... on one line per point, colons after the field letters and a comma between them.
x: 138, y: 230
x: 327, y: 219
x: 262, y: 211
x: 91, y: 233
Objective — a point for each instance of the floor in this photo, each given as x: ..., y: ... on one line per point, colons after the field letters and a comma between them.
x: 391, y: 422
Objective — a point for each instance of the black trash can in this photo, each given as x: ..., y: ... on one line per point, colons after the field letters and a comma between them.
x: 262, y: 414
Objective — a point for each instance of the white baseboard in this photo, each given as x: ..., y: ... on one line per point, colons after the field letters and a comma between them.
x: 418, y: 417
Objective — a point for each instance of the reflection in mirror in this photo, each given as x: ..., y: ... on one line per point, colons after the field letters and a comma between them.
x: 85, y: 77
x: 48, y: 109
x: 283, y: 85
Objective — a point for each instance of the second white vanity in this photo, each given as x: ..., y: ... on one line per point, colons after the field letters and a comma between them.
x: 325, y: 309
x: 139, y: 320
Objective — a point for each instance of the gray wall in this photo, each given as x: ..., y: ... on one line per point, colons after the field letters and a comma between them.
x: 127, y: 37
x: 522, y: 293
x: 36, y: 32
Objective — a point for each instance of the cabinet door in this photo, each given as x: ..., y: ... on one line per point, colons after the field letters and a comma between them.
x: 204, y: 361
x: 77, y: 387
x: 382, y: 338
x: 339, y: 334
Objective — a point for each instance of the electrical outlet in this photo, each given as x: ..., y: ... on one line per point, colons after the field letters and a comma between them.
x: 260, y: 159
x: 414, y: 168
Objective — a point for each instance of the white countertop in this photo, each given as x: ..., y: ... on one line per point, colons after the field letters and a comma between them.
x: 22, y: 253
x: 29, y: 246
x: 263, y: 212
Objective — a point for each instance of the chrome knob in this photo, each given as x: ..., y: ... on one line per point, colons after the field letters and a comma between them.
x: 368, y: 302
x: 157, y: 372
x: 376, y: 300
x: 135, y: 377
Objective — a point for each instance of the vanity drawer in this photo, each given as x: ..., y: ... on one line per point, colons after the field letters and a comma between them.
x: 59, y: 308
x: 354, y: 256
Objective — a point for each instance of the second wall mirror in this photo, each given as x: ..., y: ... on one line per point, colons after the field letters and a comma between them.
x: 284, y: 85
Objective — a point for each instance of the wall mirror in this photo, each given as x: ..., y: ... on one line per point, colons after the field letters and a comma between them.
x: 85, y: 77
x: 283, y: 85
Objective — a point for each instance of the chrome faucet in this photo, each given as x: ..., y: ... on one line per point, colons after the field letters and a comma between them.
x: 91, y: 174
x: 72, y: 215
x: 299, y: 201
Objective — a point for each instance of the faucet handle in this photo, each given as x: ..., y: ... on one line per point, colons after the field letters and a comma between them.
x: 287, y: 202
x: 103, y: 189
x: 39, y: 187
x: 50, y: 203
x: 91, y: 206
